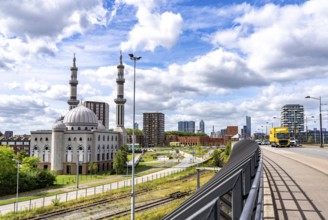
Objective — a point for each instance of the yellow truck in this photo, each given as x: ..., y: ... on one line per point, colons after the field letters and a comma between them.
x: 279, y: 137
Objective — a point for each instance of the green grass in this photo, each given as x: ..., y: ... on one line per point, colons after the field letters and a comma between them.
x: 183, y: 181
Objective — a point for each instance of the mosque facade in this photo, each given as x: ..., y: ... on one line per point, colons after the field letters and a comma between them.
x: 79, y: 140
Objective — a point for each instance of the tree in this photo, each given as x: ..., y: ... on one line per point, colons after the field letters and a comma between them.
x: 1, y: 134
x: 92, y: 167
x: 21, y: 155
x: 120, y: 160
x: 217, y: 160
x: 8, y: 171
x: 29, y: 164
x: 29, y: 176
x: 136, y: 131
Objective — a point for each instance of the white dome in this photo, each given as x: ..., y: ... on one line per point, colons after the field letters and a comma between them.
x: 80, y: 115
x: 59, y: 125
x: 101, y: 126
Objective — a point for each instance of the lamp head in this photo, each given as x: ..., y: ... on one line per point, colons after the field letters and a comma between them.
x: 307, y: 97
x: 131, y: 55
x: 138, y: 58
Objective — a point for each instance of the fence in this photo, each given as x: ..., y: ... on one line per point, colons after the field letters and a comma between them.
x: 236, y: 192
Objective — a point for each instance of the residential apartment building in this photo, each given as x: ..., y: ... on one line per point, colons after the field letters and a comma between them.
x: 17, y: 143
x: 153, y: 128
x: 292, y: 116
x: 101, y: 109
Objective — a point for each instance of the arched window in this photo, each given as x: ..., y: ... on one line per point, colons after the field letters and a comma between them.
x: 35, y: 151
x: 86, y: 128
x: 41, y: 139
x: 115, y: 138
x: 69, y: 139
x: 69, y: 154
x: 80, y: 153
x: 104, y: 138
x: 74, y: 138
x: 112, y: 138
x: 46, y: 139
x: 79, y: 128
x: 46, y: 154
x: 89, y: 153
x: 98, y: 137
x: 72, y: 128
x: 108, y: 138
x: 36, y: 139
x: 80, y: 139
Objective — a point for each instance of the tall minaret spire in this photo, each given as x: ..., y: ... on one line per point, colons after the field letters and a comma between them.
x: 73, y: 102
x: 120, y: 100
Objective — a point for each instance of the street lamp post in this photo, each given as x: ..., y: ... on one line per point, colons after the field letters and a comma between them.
x: 17, y: 187
x: 320, y: 117
x: 135, y: 59
x: 77, y: 169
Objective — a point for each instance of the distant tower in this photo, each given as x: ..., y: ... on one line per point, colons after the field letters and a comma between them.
x: 248, y: 126
x: 73, y: 102
x: 202, y: 126
x: 120, y: 101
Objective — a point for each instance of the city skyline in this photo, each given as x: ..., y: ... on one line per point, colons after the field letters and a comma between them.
x: 215, y: 61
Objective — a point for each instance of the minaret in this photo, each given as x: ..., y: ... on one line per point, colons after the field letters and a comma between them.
x: 73, y: 102
x: 120, y: 101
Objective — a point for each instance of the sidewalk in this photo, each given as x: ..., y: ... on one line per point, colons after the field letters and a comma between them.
x: 325, y: 146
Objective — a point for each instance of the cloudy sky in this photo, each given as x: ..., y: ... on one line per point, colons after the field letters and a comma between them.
x: 211, y: 60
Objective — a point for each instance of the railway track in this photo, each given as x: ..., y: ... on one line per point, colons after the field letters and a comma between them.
x: 144, y: 207
x: 288, y: 198
x: 150, y: 204
x: 81, y: 207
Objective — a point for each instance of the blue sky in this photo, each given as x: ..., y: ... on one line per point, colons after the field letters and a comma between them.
x: 216, y: 61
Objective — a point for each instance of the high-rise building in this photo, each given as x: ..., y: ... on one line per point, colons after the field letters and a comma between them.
x: 292, y: 116
x: 101, y: 109
x: 186, y: 126
x: 201, y: 126
x: 153, y: 128
x: 136, y: 125
x: 248, y: 131
x: 223, y: 132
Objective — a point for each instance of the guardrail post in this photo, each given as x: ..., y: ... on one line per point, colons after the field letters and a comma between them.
x: 198, y: 181
x: 237, y: 198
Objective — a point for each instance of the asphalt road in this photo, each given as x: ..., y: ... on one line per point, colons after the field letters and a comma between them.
x: 299, y: 182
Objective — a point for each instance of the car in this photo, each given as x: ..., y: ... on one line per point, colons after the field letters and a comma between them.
x: 258, y: 142
x: 293, y: 142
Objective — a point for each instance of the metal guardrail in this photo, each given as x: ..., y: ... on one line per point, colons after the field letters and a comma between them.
x: 235, y: 192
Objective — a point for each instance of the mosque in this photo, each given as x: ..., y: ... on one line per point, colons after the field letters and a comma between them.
x: 79, y: 139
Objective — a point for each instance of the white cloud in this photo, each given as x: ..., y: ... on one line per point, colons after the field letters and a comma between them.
x: 281, y: 42
x: 36, y: 86
x: 30, y: 28
x: 13, y: 85
x: 153, y: 29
